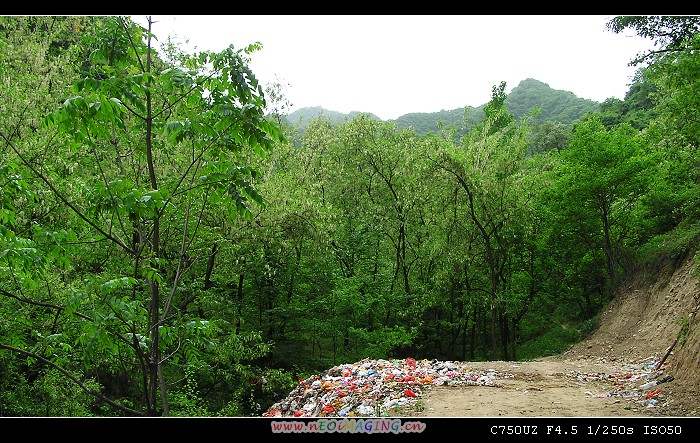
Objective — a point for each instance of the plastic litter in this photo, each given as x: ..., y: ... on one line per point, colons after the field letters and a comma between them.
x: 653, y: 383
x: 375, y: 387
x: 647, y: 385
x: 622, y: 383
x: 652, y: 394
x: 665, y: 379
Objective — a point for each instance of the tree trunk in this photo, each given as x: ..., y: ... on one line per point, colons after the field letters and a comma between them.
x: 210, y: 267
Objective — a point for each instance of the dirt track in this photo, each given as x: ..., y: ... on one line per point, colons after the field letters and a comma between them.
x: 545, y: 388
x: 651, y: 319
x: 647, y: 332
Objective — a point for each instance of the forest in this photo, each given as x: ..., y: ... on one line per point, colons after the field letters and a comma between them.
x: 172, y: 245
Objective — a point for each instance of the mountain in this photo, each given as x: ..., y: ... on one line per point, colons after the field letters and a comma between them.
x: 301, y: 117
x: 554, y: 105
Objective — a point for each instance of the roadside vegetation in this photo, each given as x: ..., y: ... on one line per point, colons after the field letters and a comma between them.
x: 171, y: 246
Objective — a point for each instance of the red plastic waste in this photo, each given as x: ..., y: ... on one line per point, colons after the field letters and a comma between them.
x: 652, y: 394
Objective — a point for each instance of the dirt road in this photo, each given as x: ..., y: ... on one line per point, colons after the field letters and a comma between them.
x: 546, y: 388
x: 601, y: 376
x: 638, y: 327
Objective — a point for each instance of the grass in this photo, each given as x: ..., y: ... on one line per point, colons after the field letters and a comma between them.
x: 556, y: 340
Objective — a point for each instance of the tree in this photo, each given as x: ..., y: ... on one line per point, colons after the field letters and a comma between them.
x: 673, y: 69
x: 548, y: 136
x: 603, y: 175
x: 672, y: 72
x: 670, y: 33
x: 153, y: 148
x: 38, y: 58
x: 487, y: 170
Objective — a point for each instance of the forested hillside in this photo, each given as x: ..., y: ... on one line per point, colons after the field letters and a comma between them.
x: 301, y: 118
x: 530, y: 96
x: 170, y: 245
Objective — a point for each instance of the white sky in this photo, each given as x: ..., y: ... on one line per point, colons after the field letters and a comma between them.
x: 391, y: 65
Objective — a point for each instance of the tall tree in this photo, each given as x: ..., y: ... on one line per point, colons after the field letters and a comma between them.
x: 602, y: 177
x: 154, y: 146
x: 487, y: 169
x: 673, y: 67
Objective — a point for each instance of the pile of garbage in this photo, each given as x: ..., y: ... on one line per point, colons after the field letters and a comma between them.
x: 640, y: 384
x: 372, y: 388
x: 376, y: 388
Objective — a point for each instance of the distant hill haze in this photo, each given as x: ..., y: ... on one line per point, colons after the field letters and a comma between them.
x: 554, y: 105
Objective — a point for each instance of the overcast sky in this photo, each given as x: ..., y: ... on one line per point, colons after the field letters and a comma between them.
x: 391, y: 65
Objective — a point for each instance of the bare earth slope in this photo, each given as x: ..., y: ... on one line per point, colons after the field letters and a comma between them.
x: 601, y: 376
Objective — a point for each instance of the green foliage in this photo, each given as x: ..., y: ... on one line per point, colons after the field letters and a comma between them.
x: 678, y: 82
x: 61, y: 397
x: 380, y: 343
x: 555, y: 339
x: 554, y: 106
x: 462, y: 120
x: 186, y: 401
x: 49, y: 395
x: 547, y: 137
x: 672, y: 245
x: 122, y: 122
x: 604, y: 175
x: 683, y: 333
x: 180, y: 251
x: 637, y: 109
x: 673, y: 68
x: 670, y: 33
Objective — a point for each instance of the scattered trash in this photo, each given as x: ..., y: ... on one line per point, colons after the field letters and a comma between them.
x: 375, y: 387
x: 652, y: 394
x: 666, y: 379
x: 648, y: 385
x: 622, y: 383
x: 656, y: 382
